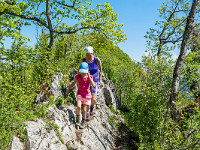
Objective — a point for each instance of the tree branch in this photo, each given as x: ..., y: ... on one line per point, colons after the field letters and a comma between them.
x: 71, y: 6
x: 173, y: 41
x: 182, y: 10
x: 45, y: 25
x: 9, y: 2
x: 70, y: 32
x: 162, y: 32
x: 27, y: 18
x: 174, y: 30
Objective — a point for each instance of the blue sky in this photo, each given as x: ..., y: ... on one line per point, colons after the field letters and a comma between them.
x: 137, y: 15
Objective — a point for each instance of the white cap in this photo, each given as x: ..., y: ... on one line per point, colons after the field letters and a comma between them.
x: 89, y: 49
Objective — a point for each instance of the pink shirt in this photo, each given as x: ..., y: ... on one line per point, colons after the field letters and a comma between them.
x: 84, y: 86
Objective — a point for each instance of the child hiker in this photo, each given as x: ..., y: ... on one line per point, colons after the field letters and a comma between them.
x: 84, y: 79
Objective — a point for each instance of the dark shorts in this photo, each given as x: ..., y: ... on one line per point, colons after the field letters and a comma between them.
x: 95, y: 90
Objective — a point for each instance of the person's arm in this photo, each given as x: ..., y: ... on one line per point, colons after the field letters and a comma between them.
x: 100, y: 69
x: 91, y: 80
x: 70, y: 86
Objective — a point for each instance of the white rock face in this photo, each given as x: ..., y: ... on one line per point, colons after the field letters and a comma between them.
x: 55, y: 85
x: 16, y: 144
x: 98, y: 134
x: 40, y: 136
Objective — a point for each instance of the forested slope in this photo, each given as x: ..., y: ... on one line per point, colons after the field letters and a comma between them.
x: 158, y: 97
x: 143, y: 89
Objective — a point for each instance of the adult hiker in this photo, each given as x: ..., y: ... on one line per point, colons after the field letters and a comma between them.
x: 95, y: 68
x: 84, y: 80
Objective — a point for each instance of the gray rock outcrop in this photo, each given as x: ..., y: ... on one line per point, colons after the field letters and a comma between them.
x: 57, y: 130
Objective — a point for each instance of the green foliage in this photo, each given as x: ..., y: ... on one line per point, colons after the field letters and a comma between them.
x: 16, y: 96
x: 176, y: 137
x: 83, y: 15
x: 153, y: 109
x: 145, y: 92
x: 149, y: 112
x: 169, y: 28
x: 124, y: 73
x: 113, y: 121
x: 23, y: 69
x: 192, y: 65
x: 59, y: 100
x: 147, y: 109
x: 142, y: 89
x: 51, y: 125
x: 70, y: 97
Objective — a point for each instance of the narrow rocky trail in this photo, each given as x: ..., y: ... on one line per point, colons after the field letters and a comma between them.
x: 57, y: 130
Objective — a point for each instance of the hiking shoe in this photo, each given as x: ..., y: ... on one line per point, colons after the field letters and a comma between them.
x: 78, y: 121
x: 88, y: 116
x: 91, y: 111
x: 82, y: 125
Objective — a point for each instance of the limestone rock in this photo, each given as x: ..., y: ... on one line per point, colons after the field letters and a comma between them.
x: 57, y: 130
x: 40, y: 136
x: 55, y: 85
x: 16, y: 144
x: 109, y: 93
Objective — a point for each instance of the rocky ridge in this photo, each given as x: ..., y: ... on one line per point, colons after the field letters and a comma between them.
x: 57, y: 130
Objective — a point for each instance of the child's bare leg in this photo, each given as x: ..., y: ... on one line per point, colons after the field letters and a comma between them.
x: 84, y: 111
x: 78, y: 109
x: 82, y: 125
x: 93, y: 100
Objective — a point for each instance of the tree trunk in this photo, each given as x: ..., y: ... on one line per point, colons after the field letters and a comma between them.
x: 49, y: 25
x: 180, y: 61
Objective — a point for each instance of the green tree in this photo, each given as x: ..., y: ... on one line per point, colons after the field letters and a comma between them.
x: 175, y: 28
x: 193, y: 57
x: 180, y: 61
x: 165, y: 84
x: 57, y: 16
x: 169, y: 30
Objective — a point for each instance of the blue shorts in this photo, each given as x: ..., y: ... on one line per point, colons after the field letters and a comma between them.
x: 95, y: 90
